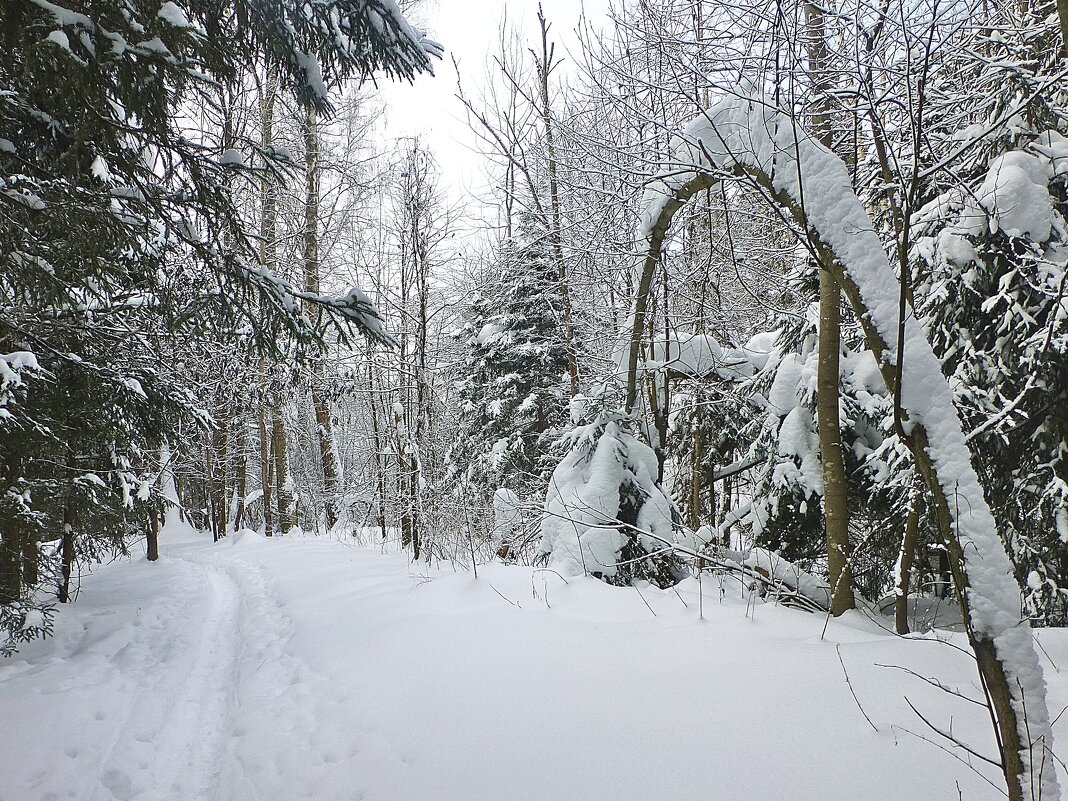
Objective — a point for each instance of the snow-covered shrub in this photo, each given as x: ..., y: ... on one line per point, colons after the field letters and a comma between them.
x: 604, y: 514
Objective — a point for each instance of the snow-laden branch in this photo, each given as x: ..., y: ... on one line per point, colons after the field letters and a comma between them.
x: 749, y: 138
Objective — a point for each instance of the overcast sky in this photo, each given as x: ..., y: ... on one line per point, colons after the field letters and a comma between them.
x: 468, y: 29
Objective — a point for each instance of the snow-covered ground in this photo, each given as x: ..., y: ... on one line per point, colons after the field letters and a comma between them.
x: 297, y: 668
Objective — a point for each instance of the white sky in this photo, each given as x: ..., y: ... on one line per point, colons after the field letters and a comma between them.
x: 468, y: 29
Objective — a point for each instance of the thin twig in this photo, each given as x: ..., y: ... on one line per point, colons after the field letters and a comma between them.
x: 849, y: 684
x: 933, y: 683
x: 953, y: 739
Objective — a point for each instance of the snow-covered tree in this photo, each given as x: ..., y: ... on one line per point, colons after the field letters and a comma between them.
x: 604, y: 514
x: 991, y: 265
x: 512, y: 388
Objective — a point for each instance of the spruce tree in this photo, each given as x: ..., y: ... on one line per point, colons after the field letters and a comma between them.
x: 513, y: 391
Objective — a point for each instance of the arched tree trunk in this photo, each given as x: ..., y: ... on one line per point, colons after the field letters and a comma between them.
x: 747, y: 138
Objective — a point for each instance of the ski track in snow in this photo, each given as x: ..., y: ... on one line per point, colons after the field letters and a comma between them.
x: 175, y: 735
x: 177, y: 675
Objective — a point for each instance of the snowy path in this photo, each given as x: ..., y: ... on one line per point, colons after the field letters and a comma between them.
x: 189, y: 722
x: 258, y: 670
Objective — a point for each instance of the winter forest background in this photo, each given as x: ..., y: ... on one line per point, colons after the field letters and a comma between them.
x: 771, y: 293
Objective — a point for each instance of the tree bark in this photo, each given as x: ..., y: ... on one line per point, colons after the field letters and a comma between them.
x: 268, y: 257
x: 1062, y: 18
x: 835, y: 499
x: 31, y: 574
x: 217, y: 479
x: 904, y: 563
x: 10, y: 563
x: 380, y: 462
x: 324, y: 430
x: 240, y: 469
x: 287, y: 511
x: 266, y: 472
x: 152, y: 535
x: 828, y: 370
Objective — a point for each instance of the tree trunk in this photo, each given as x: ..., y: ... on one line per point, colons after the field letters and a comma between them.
x: 240, y: 469
x: 287, y: 504
x: 904, y: 563
x: 380, y: 465
x: 695, y: 478
x: 265, y: 471
x: 217, y: 479
x: 324, y: 430
x: 268, y: 258
x: 10, y: 563
x: 152, y: 535
x: 1062, y: 17
x: 31, y: 574
x: 835, y: 501
x: 835, y: 496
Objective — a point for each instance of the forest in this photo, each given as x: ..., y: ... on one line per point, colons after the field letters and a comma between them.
x: 763, y: 300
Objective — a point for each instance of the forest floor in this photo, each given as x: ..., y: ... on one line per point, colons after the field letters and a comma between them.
x: 299, y: 668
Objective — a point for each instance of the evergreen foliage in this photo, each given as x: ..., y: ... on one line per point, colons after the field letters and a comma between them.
x: 513, y: 391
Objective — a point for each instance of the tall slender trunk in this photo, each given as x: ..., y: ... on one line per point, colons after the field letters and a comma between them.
x: 695, y: 479
x: 287, y: 503
x: 1062, y: 18
x: 268, y: 258
x: 545, y: 66
x: 905, y: 560
x: 152, y: 534
x: 217, y: 478
x: 324, y: 430
x: 835, y: 499
x: 10, y: 562
x: 265, y: 470
x: 11, y: 539
x: 380, y: 466
x: 240, y: 468
x: 31, y: 573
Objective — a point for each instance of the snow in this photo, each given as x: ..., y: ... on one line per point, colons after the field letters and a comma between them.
x: 580, y: 529
x: 173, y: 15
x: 699, y: 355
x: 1015, y: 194
x: 59, y: 38
x: 748, y: 135
x: 231, y: 157
x: 312, y: 74
x: 292, y: 668
x: 507, y: 515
